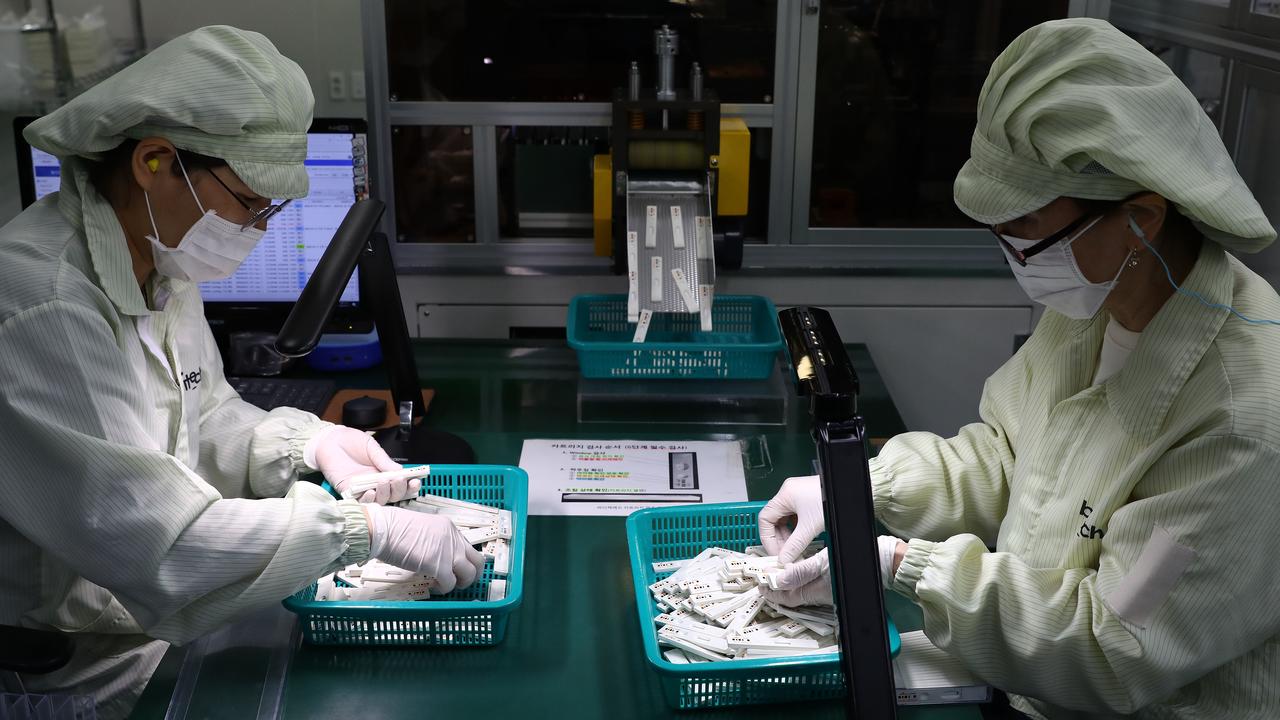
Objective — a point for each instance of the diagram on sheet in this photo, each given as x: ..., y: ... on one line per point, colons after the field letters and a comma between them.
x: 617, y: 477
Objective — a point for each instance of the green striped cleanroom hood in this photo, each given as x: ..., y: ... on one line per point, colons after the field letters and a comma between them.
x: 1077, y: 108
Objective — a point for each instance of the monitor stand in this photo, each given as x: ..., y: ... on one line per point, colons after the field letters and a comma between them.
x: 426, y: 446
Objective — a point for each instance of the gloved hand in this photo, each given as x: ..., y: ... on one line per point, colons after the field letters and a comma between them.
x: 888, y: 546
x: 799, y: 501
x: 424, y: 543
x: 341, y: 453
x: 808, y: 582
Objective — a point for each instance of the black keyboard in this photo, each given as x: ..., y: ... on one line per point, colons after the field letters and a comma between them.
x: 270, y: 393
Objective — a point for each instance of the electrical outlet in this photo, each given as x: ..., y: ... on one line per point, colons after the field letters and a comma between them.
x: 337, y: 85
x: 357, y: 84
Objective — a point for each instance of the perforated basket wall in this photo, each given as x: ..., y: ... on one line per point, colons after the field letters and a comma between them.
x: 742, y: 346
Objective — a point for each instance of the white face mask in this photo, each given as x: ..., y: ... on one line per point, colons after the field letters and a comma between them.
x: 1053, y: 278
x: 212, y: 249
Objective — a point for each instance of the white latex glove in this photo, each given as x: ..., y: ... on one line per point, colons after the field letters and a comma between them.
x: 799, y: 501
x: 807, y: 582
x: 424, y: 543
x: 888, y: 546
x: 341, y: 453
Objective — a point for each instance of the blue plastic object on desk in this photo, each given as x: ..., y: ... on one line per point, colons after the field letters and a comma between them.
x: 346, y: 352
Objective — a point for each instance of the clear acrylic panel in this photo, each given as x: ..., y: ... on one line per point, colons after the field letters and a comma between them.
x: 434, y: 183
x: 567, y: 50
x: 1267, y: 7
x: 895, y: 105
x: 1257, y: 153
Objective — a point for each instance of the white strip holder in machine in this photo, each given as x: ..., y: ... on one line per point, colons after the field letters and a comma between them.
x: 633, y: 278
x: 671, y: 220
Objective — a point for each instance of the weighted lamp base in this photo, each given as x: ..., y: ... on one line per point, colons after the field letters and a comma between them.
x: 426, y: 446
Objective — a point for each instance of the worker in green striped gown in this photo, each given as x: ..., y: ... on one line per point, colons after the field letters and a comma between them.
x: 1102, y: 543
x: 143, y: 501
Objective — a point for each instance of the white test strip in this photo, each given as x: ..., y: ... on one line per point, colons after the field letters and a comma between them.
x: 742, y: 641
x: 693, y: 587
x: 717, y: 551
x: 663, y: 585
x: 676, y: 656
x: 704, y: 307
x: 687, y: 622
x: 764, y: 629
x: 651, y: 226
x: 480, y: 535
x: 500, y: 551
x: 497, y: 589
x: 441, y: 501
x: 362, y: 483
x: 669, y: 565
x: 736, y: 601
x: 642, y: 327
x: 387, y: 574
x: 460, y: 516
x: 817, y: 628
x: 744, y: 616
x: 655, y: 278
x: 633, y: 277
x: 324, y: 588
x: 709, y: 640
x: 702, y: 235
x: 791, y: 628
x: 690, y: 648
x: 814, y: 614
x: 754, y: 653
x: 677, y: 227
x: 712, y: 597
x: 694, y: 564
x: 682, y: 284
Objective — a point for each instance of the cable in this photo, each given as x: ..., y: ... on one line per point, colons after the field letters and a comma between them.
x: 1192, y: 293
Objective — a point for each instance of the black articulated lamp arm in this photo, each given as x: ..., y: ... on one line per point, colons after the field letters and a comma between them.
x: 302, y: 329
x: 380, y: 292
x: 354, y: 243
x: 825, y: 374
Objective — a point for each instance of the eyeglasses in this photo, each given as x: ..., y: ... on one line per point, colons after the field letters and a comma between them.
x: 1021, y: 256
x: 259, y: 216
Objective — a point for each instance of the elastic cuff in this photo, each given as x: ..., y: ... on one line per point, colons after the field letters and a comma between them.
x: 881, y: 485
x: 355, y: 531
x: 919, y: 554
x: 309, y: 441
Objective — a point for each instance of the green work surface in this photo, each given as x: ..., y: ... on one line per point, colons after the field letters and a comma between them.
x: 573, y: 648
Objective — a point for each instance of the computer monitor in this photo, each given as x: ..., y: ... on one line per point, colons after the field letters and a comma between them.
x: 259, y: 295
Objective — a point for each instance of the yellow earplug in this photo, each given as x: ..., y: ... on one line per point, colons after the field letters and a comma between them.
x: 154, y: 164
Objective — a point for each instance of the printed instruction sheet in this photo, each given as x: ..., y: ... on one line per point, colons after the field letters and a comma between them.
x: 618, y: 477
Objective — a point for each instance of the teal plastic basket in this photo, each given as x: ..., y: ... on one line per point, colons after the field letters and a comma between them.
x: 462, y: 617
x: 742, y: 346
x: 680, y: 532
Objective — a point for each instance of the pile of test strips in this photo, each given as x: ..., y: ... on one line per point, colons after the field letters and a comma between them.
x: 487, y: 528
x: 713, y: 610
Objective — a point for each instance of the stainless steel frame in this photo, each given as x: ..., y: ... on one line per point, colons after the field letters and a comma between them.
x: 790, y: 242
x: 1244, y: 79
